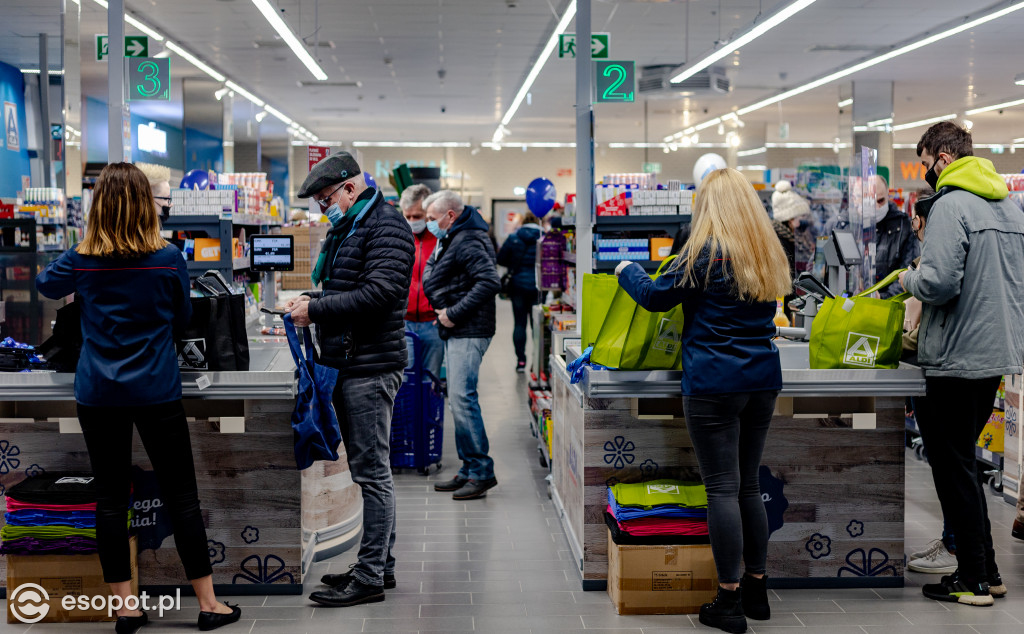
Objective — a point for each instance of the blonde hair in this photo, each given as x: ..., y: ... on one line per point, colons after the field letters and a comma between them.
x: 122, y: 221
x: 154, y: 173
x: 730, y: 219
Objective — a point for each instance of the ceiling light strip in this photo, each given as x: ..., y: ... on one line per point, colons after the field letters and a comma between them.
x: 845, y: 102
x: 35, y: 71
x: 245, y: 93
x: 549, y: 47
x: 277, y: 113
x: 998, y: 106
x: 195, y: 61
x: 880, y: 123
x: 922, y: 122
x: 142, y: 27
x: 754, y: 31
x: 274, y: 18
x: 754, y: 152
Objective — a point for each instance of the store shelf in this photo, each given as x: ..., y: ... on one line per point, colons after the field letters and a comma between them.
x: 988, y: 457
x: 569, y: 256
x: 606, y: 266
x: 253, y: 220
x: 669, y: 224
x: 186, y: 222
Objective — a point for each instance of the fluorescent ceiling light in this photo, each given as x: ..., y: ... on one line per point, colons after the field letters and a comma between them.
x: 260, y: 116
x: 195, y: 61
x: 142, y: 27
x: 756, y: 30
x: 922, y: 122
x: 755, y: 152
x: 790, y: 146
x: 245, y: 93
x: 272, y: 16
x: 35, y: 71
x: 545, y: 53
x: 708, y: 124
x: 277, y: 113
x: 1019, y: 79
x: 998, y: 106
x: 753, y: 168
x: 426, y: 144
x: 880, y: 123
x: 846, y: 102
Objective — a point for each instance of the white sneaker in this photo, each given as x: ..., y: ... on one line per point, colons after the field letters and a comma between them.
x: 928, y: 550
x: 939, y: 562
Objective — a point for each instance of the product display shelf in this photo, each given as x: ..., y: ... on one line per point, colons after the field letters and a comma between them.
x: 239, y: 264
x: 669, y: 224
x: 215, y: 227
x: 569, y: 256
x: 608, y: 266
x: 255, y: 220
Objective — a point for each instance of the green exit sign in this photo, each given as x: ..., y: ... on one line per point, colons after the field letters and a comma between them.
x: 615, y: 81
x: 652, y: 168
x: 134, y: 46
x: 149, y: 79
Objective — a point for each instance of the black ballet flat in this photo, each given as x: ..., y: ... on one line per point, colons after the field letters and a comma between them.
x: 212, y: 620
x: 130, y: 624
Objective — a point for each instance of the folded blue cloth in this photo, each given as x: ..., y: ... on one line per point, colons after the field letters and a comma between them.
x: 75, y: 519
x: 575, y: 368
x: 624, y: 513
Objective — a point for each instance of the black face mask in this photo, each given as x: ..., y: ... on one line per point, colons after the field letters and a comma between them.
x: 931, y: 177
x: 803, y: 224
x: 165, y: 213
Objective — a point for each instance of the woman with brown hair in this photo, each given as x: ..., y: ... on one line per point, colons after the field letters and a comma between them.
x: 133, y: 291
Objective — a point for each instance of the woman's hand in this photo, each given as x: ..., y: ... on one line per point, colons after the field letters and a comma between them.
x: 621, y: 267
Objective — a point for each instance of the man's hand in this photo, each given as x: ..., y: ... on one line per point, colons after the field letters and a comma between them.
x: 442, y: 316
x: 621, y: 267
x: 300, y: 313
x: 902, y: 275
x: 295, y: 301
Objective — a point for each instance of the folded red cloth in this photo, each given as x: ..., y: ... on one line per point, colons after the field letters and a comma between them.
x: 649, y: 526
x: 15, y: 505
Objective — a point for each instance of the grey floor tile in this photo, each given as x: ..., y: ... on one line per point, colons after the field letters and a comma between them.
x: 314, y: 626
x: 780, y: 607
x: 820, y: 620
x: 525, y: 598
x: 592, y: 621
x: 761, y: 628
x: 491, y: 610
x: 428, y: 624
x: 443, y: 598
x: 487, y: 587
x: 965, y: 615
x: 913, y: 604
x: 524, y: 623
x: 922, y: 629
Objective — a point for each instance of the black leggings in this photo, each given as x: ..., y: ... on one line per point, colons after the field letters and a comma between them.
x: 728, y: 433
x: 164, y: 433
x: 523, y: 302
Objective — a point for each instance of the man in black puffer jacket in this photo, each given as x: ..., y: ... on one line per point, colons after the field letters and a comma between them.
x: 364, y: 270
x: 896, y: 246
x: 461, y: 282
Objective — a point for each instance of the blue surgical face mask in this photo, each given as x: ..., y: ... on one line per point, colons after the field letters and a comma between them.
x: 418, y: 226
x: 436, y: 229
x: 334, y: 214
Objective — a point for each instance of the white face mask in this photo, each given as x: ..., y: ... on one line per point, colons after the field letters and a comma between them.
x: 418, y: 226
x: 881, y: 212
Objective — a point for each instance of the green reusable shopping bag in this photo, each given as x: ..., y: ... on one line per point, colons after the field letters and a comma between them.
x: 859, y: 332
x: 632, y: 338
x: 598, y: 291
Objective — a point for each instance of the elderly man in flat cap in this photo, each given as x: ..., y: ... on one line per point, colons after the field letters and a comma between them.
x: 364, y: 270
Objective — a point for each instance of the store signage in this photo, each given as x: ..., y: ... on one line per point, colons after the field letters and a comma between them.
x: 317, y: 153
x: 11, y: 126
x: 616, y: 82
x: 134, y: 46
x: 599, y: 43
x: 149, y: 79
x: 652, y: 168
x: 912, y: 171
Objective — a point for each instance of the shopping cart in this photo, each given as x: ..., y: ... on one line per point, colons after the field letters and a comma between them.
x: 417, y: 424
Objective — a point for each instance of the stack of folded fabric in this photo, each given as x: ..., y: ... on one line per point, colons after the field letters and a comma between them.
x: 658, y: 512
x: 51, y: 514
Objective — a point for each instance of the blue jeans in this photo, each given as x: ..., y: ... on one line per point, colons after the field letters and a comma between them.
x: 432, y: 346
x: 365, y: 406
x: 464, y: 358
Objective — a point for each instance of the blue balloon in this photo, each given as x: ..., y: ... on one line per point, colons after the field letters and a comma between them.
x: 195, y: 179
x: 541, y: 196
x: 369, y: 180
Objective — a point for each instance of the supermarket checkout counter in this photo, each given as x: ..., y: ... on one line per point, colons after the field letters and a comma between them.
x: 266, y: 521
x: 832, y: 476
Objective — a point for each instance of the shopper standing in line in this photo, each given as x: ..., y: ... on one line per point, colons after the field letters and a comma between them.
x: 461, y: 281
x: 727, y: 279
x: 791, y: 212
x: 133, y: 289
x: 970, y: 336
x: 519, y: 256
x: 159, y: 178
x: 420, y: 316
x: 895, y: 243
x: 364, y: 270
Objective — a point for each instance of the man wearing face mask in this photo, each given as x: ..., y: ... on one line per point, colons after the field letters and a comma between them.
x: 159, y: 181
x: 972, y: 295
x: 895, y: 244
x: 462, y: 282
x: 420, y: 316
x: 363, y: 271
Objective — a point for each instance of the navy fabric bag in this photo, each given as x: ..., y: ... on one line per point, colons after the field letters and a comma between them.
x: 314, y: 421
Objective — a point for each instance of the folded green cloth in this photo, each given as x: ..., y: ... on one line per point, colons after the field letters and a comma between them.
x: 45, y: 532
x: 661, y: 492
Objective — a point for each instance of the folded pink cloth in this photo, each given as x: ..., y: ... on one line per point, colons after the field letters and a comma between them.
x: 649, y: 526
x: 15, y: 505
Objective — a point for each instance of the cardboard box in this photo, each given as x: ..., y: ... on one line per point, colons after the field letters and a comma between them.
x: 661, y: 248
x: 207, y: 250
x: 660, y: 579
x: 60, y: 576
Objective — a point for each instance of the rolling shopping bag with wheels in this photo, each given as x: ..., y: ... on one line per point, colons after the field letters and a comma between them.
x: 314, y: 421
x: 859, y: 332
x: 632, y: 338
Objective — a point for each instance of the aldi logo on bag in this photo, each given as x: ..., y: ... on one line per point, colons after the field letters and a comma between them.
x: 861, y: 350
x: 193, y: 355
x: 663, y: 488
x: 668, y: 337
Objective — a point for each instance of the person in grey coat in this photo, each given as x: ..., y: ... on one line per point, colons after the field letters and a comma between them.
x: 971, y: 286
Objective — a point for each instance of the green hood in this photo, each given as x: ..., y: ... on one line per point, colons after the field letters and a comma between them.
x: 976, y: 175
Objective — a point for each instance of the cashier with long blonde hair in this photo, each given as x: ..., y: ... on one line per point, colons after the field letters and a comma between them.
x: 727, y: 278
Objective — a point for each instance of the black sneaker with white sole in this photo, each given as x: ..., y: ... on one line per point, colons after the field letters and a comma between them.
x: 996, y: 587
x: 956, y: 590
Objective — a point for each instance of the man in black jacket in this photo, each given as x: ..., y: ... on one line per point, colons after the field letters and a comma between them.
x: 364, y: 270
x: 896, y: 246
x: 461, y: 282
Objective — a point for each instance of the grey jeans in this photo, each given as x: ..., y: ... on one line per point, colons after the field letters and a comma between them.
x: 364, y: 406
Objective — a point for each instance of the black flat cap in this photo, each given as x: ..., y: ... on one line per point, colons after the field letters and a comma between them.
x: 334, y: 169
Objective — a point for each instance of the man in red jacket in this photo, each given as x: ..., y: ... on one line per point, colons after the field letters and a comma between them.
x: 420, y: 316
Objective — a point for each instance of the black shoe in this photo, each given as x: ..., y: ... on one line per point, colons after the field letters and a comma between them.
x: 212, y: 620
x: 454, y: 484
x: 352, y: 593
x: 956, y: 590
x: 521, y: 367
x: 336, y: 580
x: 755, y: 598
x: 130, y: 624
x: 475, y: 489
x: 725, y: 612
x: 996, y: 587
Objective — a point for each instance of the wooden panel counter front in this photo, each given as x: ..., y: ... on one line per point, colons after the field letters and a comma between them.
x: 832, y: 479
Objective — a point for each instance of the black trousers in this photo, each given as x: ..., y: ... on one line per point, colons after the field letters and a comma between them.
x: 951, y: 417
x: 523, y: 302
x: 164, y: 433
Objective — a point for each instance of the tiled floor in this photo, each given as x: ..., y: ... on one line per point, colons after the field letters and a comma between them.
x: 502, y: 564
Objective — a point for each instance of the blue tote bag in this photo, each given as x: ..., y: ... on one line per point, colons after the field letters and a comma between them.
x: 314, y: 421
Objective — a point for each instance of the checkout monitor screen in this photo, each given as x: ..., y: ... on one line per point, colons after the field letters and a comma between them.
x: 271, y: 253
